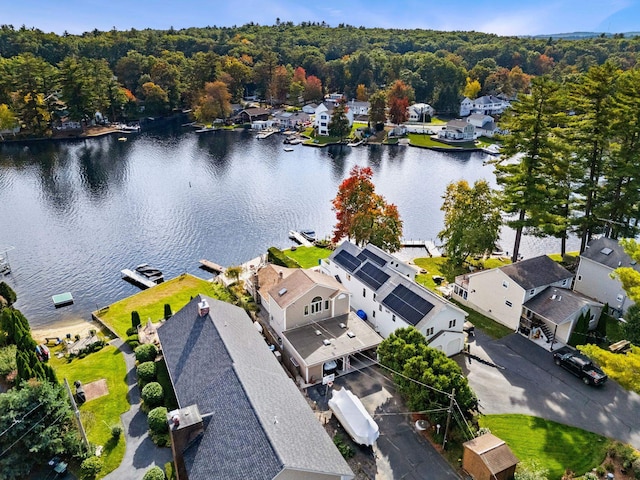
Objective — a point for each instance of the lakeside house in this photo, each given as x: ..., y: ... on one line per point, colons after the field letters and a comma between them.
x: 485, y: 125
x: 486, y: 105
x: 323, y: 117
x: 239, y: 415
x: 458, y: 130
x: 384, y: 292
x: 532, y: 296
x: 418, y: 112
x: 309, y: 313
x: 595, y: 279
x: 291, y: 120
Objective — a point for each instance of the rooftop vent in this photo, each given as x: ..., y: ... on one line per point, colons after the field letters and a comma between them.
x: 606, y: 251
x: 203, y: 308
x: 318, y: 332
x: 342, y: 325
x: 282, y: 291
x: 350, y: 334
x: 326, y: 341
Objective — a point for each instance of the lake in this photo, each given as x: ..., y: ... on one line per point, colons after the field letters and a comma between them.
x: 79, y: 212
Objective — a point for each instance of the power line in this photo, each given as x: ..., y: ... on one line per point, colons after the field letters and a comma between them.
x: 15, y: 421
x: 34, y: 426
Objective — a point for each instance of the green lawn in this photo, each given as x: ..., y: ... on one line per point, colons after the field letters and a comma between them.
x: 553, y: 445
x: 308, y: 257
x: 420, y: 140
x: 100, y: 414
x: 150, y: 303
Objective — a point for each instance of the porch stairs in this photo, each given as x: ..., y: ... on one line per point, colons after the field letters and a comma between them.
x: 547, y: 333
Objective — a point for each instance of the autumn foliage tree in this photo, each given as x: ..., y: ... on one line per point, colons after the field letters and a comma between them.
x: 399, y: 97
x: 365, y: 216
x: 215, y: 102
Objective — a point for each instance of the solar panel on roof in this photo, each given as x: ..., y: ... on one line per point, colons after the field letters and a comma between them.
x: 347, y: 260
x: 372, y: 275
x: 366, y: 254
x: 407, y: 304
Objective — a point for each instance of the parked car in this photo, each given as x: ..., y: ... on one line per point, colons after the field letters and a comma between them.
x: 581, y: 366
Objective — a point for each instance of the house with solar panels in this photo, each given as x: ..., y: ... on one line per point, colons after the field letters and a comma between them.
x: 594, y: 276
x: 384, y: 292
x: 309, y: 312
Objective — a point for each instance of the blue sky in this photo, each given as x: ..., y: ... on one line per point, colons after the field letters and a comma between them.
x: 503, y: 17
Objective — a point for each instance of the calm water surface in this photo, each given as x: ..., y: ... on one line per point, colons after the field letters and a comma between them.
x: 78, y: 213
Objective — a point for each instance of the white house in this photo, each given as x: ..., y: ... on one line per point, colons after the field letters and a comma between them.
x: 417, y: 111
x: 358, y: 107
x: 528, y: 294
x: 291, y: 119
x: 310, y: 108
x: 457, y: 130
x: 323, y: 118
x: 487, y: 105
x: 384, y: 291
x: 484, y: 124
x: 594, y: 279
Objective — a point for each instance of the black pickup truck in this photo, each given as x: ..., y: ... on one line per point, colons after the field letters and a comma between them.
x: 580, y: 366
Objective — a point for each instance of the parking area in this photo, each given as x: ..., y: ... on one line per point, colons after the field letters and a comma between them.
x: 400, y: 452
x: 525, y: 380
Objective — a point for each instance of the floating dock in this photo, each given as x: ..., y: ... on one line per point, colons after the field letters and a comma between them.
x: 427, y: 244
x: 297, y: 236
x: 137, y: 278
x: 265, y: 133
x: 212, y: 266
x: 62, y: 299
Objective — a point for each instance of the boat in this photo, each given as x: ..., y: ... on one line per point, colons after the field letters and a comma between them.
x: 129, y: 128
x: 352, y: 415
x: 206, y: 129
x: 309, y: 235
x: 288, y: 149
x: 151, y: 273
x: 122, y: 139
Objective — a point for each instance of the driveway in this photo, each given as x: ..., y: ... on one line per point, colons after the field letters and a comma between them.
x: 140, y: 453
x: 528, y: 382
x: 400, y: 452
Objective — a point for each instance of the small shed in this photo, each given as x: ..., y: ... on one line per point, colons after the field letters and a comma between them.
x: 488, y: 458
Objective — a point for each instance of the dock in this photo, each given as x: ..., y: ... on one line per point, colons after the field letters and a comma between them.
x: 62, y: 299
x: 427, y: 244
x: 265, y: 133
x: 297, y: 236
x: 136, y: 278
x: 211, y: 266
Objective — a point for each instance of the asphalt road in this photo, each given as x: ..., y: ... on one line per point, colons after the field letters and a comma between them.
x: 400, y: 452
x: 530, y: 383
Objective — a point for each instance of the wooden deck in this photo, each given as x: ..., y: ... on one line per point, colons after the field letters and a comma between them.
x: 212, y: 266
x: 297, y: 236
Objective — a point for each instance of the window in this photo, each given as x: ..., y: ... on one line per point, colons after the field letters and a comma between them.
x: 505, y: 284
x: 579, y: 278
x: 380, y: 307
x: 508, y: 303
x: 364, y: 292
x: 452, y: 323
x: 374, y: 296
x: 532, y: 292
x: 393, y: 317
x: 429, y: 332
x: 316, y: 305
x: 374, y: 314
x: 306, y: 310
x: 326, y: 304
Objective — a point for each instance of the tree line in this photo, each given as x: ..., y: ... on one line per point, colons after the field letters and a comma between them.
x: 128, y: 74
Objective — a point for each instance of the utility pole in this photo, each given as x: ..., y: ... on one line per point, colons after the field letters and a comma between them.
x: 449, y: 412
x: 77, y: 414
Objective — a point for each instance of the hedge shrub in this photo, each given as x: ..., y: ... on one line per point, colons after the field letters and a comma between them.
x: 154, y: 473
x: 90, y: 468
x: 152, y: 395
x: 157, y: 420
x: 277, y: 257
x: 146, y: 353
x: 146, y: 372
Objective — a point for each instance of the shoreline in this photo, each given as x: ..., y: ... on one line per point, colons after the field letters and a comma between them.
x: 77, y: 326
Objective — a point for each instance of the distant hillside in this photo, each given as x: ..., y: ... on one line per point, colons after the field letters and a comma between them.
x: 581, y: 35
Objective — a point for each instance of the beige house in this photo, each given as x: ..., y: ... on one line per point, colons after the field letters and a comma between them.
x: 526, y: 296
x: 488, y: 458
x: 310, y: 313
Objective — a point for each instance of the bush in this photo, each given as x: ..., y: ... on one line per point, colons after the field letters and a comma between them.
x: 157, y: 420
x: 135, y: 320
x: 146, y: 353
x: 146, y: 372
x: 277, y: 257
x: 7, y: 293
x: 170, y: 471
x: 132, y: 331
x: 116, y: 431
x: 154, y: 473
x: 167, y: 311
x: 90, y: 468
x: 152, y: 395
x: 7, y: 360
x: 346, y: 451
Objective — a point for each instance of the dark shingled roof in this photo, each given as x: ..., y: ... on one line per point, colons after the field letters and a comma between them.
x: 615, y: 258
x: 257, y: 423
x: 536, y: 272
x: 558, y: 305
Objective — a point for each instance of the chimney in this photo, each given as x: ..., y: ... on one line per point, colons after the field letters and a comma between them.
x: 203, y: 308
x: 184, y: 426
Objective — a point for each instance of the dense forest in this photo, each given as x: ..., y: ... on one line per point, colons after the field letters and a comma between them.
x: 45, y: 77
